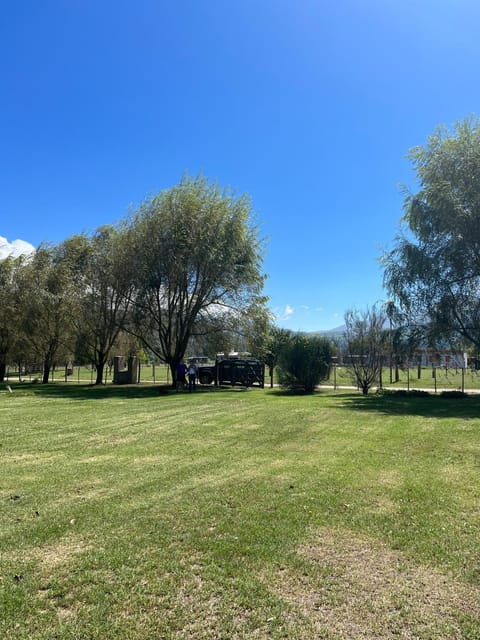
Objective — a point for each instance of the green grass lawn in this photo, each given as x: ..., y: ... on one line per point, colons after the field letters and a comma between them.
x: 226, y: 514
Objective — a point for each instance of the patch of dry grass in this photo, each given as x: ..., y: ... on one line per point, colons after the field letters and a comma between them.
x: 352, y: 587
x: 50, y: 557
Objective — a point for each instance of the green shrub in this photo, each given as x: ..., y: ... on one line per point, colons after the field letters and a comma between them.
x: 304, y: 362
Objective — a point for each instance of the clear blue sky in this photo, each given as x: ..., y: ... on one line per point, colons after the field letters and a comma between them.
x: 308, y: 106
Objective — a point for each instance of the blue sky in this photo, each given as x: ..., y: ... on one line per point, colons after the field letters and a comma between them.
x: 308, y: 106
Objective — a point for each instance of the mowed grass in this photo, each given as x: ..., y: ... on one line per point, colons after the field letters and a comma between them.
x: 126, y: 514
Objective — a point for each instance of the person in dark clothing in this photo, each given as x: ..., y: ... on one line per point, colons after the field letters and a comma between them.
x: 192, y: 374
x: 181, y: 373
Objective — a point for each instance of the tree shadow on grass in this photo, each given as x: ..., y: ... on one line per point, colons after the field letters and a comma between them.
x: 295, y: 393
x: 93, y: 392
x: 111, y: 391
x: 431, y: 406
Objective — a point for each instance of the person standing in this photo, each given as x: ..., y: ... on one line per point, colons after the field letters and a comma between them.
x: 192, y: 374
x: 181, y: 373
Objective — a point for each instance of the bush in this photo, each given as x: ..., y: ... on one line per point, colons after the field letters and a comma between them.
x: 304, y: 362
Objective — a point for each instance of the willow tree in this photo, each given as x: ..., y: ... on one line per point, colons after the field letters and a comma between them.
x: 9, y: 314
x: 433, y: 271
x: 198, y: 255
x: 101, y: 271
x: 46, y: 300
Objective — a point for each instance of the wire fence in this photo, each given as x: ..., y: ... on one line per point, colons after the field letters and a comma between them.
x: 87, y: 374
x: 433, y: 379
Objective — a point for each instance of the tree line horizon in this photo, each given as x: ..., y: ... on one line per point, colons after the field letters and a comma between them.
x: 185, y: 269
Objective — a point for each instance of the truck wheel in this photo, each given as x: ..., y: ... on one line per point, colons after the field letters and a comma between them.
x: 205, y: 378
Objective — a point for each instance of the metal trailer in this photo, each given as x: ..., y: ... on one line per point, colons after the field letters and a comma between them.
x: 247, y: 372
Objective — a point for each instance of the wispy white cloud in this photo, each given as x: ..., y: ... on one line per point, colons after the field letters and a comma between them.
x: 283, y: 313
x: 15, y: 248
x: 287, y: 312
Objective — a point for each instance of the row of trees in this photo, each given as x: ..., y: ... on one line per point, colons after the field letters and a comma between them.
x: 184, y: 267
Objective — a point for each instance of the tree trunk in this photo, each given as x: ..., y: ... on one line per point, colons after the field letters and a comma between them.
x: 100, y: 367
x: 3, y: 369
x: 46, y: 371
x: 173, y: 371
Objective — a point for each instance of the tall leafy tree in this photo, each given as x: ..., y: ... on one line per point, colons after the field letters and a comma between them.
x: 198, y: 254
x: 9, y: 312
x: 46, y: 299
x: 433, y: 271
x: 101, y: 269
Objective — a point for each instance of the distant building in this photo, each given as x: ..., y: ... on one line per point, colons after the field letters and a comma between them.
x: 450, y: 358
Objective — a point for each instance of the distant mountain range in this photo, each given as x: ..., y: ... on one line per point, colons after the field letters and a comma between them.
x: 331, y: 333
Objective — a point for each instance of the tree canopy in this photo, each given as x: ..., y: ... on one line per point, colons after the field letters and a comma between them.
x: 46, y: 303
x: 433, y: 271
x: 185, y: 265
x: 101, y: 270
x: 198, y: 256
x: 9, y: 316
